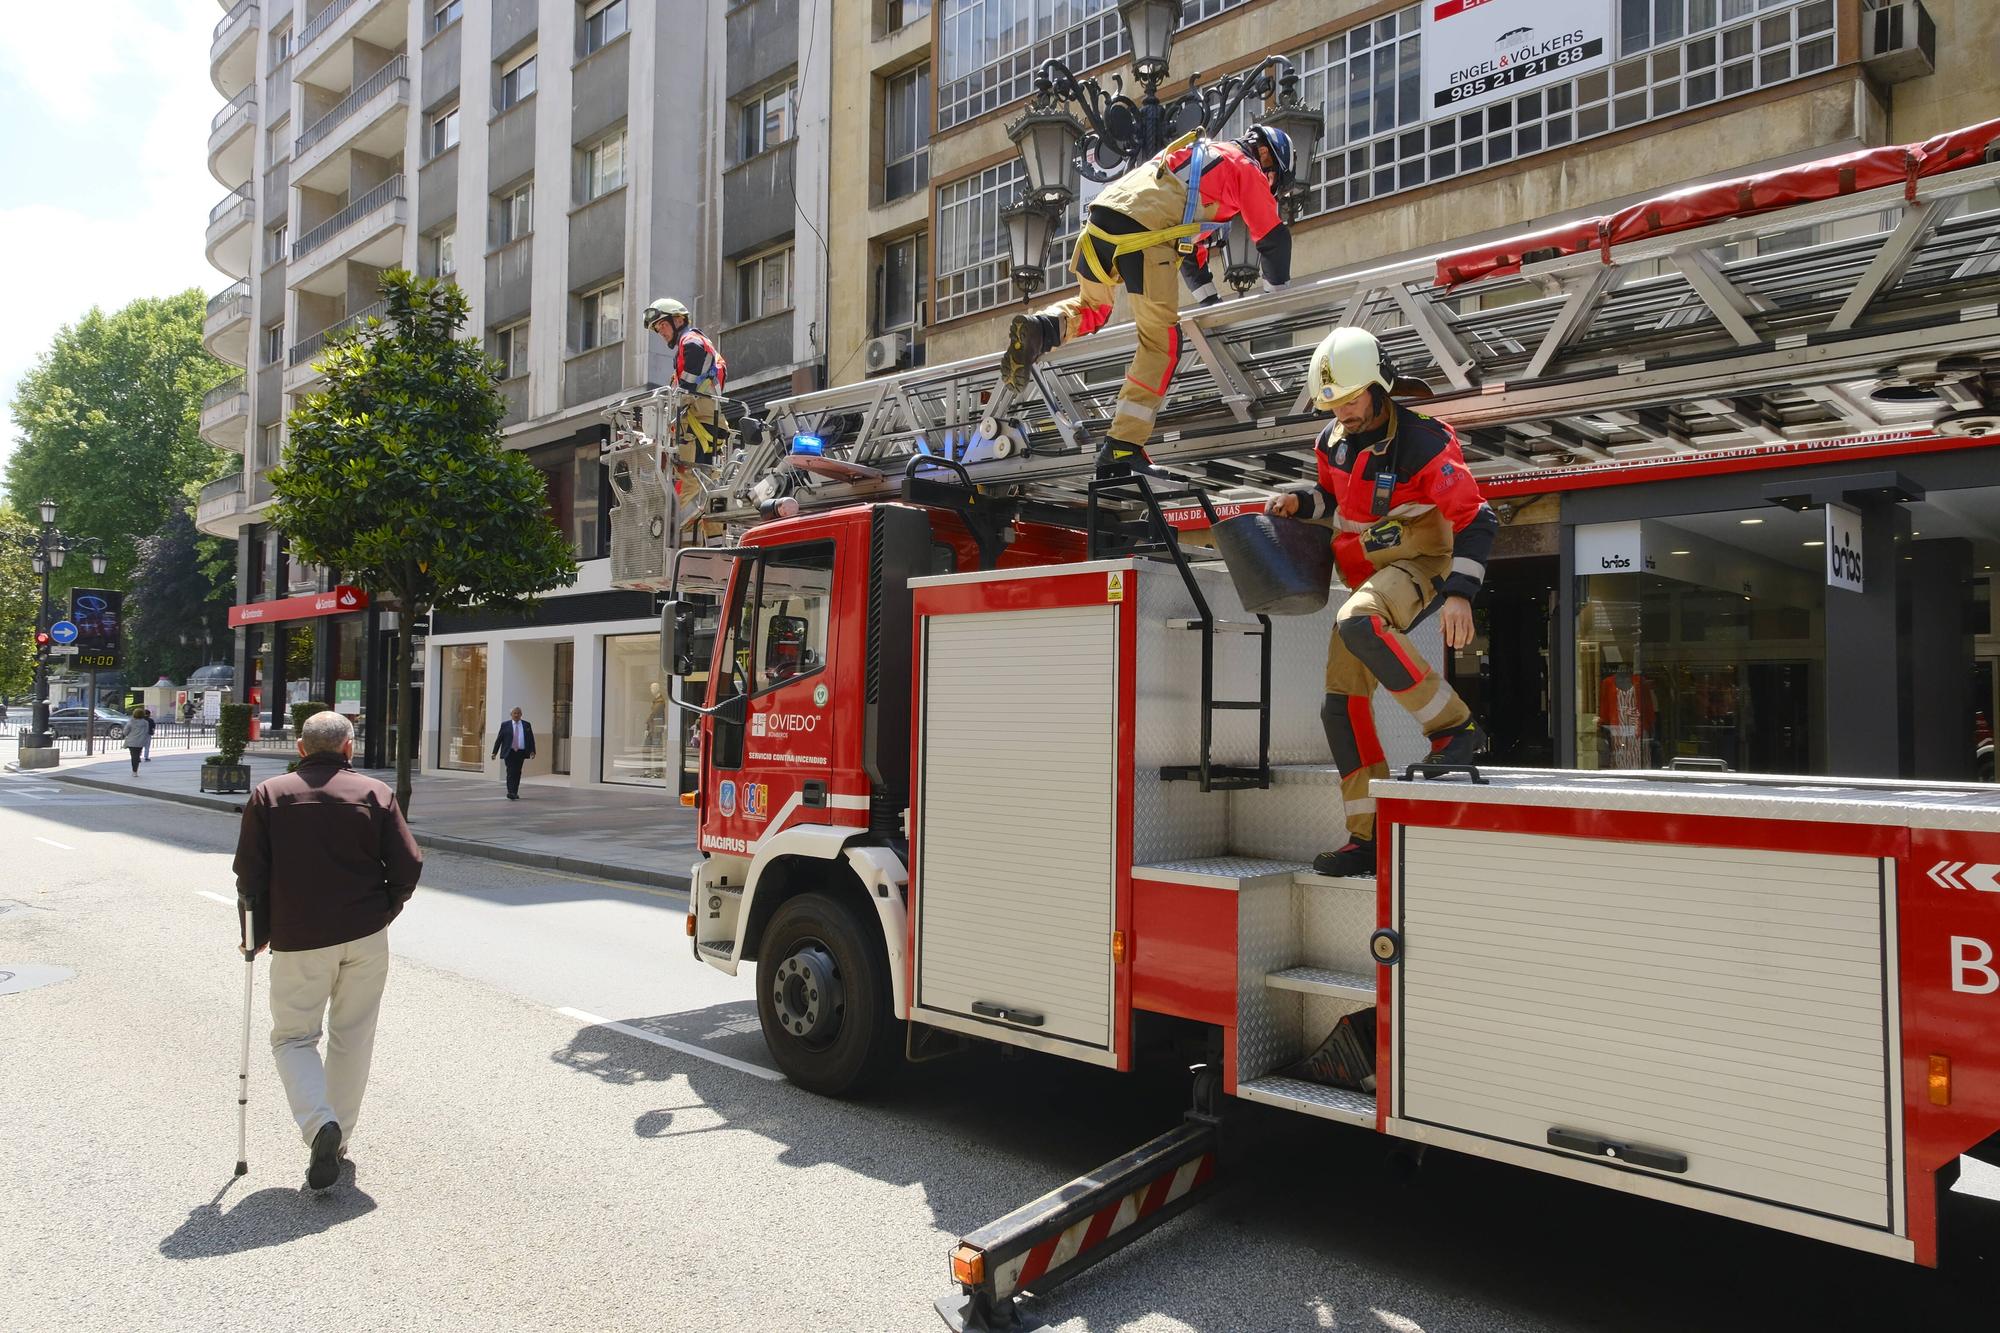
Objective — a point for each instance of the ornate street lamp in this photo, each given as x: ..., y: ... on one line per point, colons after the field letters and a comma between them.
x: 48, y: 549
x: 1030, y: 223
x: 1116, y: 133
x: 1244, y: 269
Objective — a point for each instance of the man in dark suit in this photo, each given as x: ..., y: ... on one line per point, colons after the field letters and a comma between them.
x: 516, y: 746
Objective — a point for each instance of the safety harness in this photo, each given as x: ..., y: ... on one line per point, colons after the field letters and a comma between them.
x: 1184, y: 237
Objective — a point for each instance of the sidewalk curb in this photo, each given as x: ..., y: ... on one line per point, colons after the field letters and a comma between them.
x: 443, y: 842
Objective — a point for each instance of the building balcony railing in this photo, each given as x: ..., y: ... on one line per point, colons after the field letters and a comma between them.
x: 388, y: 191
x: 396, y: 71
x: 232, y: 57
x: 229, y: 139
x: 222, y: 508
x: 224, y: 410
x: 320, y: 22
x: 232, y: 302
x: 305, y: 350
x: 236, y: 201
x: 228, y: 237
x: 225, y: 325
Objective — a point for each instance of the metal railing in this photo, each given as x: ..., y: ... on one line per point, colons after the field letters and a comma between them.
x: 306, y: 349
x: 388, y: 190
x: 223, y: 392
x: 234, y: 199
x: 222, y: 488
x: 222, y: 24
x: 235, y: 294
x: 321, y: 22
x: 245, y: 100
x: 395, y: 70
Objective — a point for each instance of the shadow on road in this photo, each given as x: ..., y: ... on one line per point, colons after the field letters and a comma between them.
x: 269, y: 1217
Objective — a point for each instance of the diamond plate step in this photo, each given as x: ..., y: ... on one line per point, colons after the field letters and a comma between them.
x: 1360, y: 883
x: 1324, y: 981
x: 1219, y: 872
x: 1295, y: 1094
x: 716, y: 949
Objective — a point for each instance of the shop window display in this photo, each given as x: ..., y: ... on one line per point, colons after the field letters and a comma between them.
x: 635, y: 712
x: 462, y: 737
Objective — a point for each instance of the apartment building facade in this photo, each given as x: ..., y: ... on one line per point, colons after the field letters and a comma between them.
x: 564, y: 162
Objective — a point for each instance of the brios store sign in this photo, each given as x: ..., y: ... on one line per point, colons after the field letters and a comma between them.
x: 1480, y: 51
x: 1843, y: 549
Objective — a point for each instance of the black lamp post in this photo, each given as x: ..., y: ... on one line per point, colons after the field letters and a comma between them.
x: 50, y: 548
x: 1117, y: 133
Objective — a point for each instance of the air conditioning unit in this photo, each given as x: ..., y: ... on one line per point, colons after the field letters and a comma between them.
x: 1899, y: 41
x: 889, y: 352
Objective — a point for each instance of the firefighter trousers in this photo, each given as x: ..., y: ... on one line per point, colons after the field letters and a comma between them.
x: 703, y: 433
x: 1151, y: 279
x: 1370, y: 645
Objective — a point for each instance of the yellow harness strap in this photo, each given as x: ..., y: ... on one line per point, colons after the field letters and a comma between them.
x: 1181, y: 237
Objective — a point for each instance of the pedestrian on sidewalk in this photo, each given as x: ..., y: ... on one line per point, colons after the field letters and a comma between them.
x: 138, y: 735
x: 147, y: 713
x: 516, y: 746
x: 328, y: 853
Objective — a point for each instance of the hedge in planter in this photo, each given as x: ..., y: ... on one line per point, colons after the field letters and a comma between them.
x: 225, y: 771
x: 300, y: 712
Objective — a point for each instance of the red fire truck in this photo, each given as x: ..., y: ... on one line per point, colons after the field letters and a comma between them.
x: 988, y: 754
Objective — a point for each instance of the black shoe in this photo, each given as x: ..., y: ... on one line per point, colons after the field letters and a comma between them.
x: 1118, y: 459
x: 325, y: 1166
x: 1027, y: 338
x: 1461, y: 745
x: 1356, y: 858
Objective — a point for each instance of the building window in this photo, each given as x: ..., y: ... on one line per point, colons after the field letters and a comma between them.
x: 906, y: 133
x: 439, y: 257
x: 281, y: 46
x: 270, y: 444
x: 278, y: 142
x: 444, y: 131
x: 275, y: 242
x: 905, y: 283
x: 274, y: 343
x: 517, y: 81
x: 900, y: 14
x: 764, y: 122
x: 462, y: 738
x: 764, y: 285
x: 635, y: 711
x: 446, y: 14
x: 517, y: 215
x: 601, y: 317
x: 604, y: 167
x: 602, y: 24
x: 973, y: 259
x: 1675, y: 54
x: 510, y: 349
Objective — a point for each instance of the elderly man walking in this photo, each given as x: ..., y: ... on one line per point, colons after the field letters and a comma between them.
x: 325, y: 852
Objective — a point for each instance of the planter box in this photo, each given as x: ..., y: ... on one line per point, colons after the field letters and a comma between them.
x: 225, y: 778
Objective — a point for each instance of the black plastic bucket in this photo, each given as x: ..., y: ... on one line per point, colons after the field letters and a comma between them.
x: 1280, y: 566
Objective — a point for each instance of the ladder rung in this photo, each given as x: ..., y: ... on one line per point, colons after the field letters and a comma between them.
x: 1244, y: 704
x: 1221, y: 626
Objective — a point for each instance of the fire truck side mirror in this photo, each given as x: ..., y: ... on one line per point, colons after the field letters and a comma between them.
x: 677, y: 638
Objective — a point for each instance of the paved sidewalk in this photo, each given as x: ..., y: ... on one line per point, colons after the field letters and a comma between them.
x: 634, y: 834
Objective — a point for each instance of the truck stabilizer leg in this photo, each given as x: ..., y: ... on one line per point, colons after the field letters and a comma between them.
x: 1042, y: 1244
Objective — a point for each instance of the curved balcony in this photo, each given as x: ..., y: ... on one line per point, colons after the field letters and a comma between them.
x: 225, y: 414
x: 232, y: 141
x: 371, y: 119
x: 300, y: 367
x: 228, y: 244
x: 223, y: 510
x: 368, y: 231
x: 232, y: 55
x: 225, y: 327
x: 326, y: 34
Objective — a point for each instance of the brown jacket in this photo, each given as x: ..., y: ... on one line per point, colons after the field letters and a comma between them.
x: 327, y: 851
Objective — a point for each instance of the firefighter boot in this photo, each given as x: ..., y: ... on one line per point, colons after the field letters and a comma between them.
x: 1027, y: 338
x: 1460, y: 745
x: 1115, y: 458
x: 1356, y: 858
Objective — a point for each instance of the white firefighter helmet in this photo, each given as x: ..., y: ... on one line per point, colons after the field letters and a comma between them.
x: 1347, y: 361
x: 661, y: 309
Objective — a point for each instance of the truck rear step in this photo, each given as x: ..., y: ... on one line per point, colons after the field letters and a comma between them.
x: 1295, y: 1094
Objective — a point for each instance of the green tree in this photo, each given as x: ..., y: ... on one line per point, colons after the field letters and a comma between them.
x: 177, y: 606
x: 396, y: 475
x: 20, y: 589
x: 109, y: 423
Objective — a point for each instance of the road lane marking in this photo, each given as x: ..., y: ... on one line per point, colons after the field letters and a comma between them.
x: 685, y: 1048
x: 62, y: 846
x: 226, y: 902
x: 680, y: 894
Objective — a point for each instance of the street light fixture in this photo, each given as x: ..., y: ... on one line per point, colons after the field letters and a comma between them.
x: 1117, y: 133
x: 1244, y: 270
x: 1030, y: 223
x: 49, y: 548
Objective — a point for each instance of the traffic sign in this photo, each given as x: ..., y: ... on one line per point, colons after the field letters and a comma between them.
x: 63, y: 632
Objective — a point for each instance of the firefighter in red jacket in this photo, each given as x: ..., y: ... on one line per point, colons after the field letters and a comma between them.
x: 1411, y: 531
x: 1153, y: 218
x: 700, y: 371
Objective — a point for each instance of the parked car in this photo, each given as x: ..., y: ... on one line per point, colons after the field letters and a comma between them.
x: 71, y: 722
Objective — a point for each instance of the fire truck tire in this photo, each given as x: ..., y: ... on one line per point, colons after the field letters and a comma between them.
x: 823, y: 995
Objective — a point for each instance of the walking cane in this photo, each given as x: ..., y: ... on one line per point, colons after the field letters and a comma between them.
x: 243, y: 1066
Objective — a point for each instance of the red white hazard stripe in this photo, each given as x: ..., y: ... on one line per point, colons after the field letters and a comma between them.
x: 1023, y: 1270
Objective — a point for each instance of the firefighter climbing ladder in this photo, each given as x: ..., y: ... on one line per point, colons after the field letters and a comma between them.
x: 1872, y: 312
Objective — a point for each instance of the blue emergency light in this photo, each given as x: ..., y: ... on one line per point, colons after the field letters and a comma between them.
x: 808, y: 444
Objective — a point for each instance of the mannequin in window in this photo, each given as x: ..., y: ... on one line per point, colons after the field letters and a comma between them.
x: 656, y: 718
x: 1626, y: 715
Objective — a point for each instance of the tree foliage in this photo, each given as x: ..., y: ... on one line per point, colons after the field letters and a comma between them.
x: 109, y: 420
x: 20, y: 589
x: 177, y: 605
x: 396, y: 475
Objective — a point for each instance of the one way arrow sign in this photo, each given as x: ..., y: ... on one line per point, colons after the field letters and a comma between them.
x: 1966, y: 875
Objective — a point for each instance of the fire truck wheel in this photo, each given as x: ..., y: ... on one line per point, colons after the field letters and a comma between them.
x: 823, y: 995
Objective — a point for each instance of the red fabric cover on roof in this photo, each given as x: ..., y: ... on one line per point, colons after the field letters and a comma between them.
x: 1828, y: 178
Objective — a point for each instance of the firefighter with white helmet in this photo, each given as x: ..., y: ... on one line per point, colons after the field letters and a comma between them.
x: 1411, y: 532
x: 1157, y: 217
x: 700, y: 371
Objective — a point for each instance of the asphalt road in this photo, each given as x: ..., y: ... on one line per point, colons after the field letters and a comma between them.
x: 522, y: 1164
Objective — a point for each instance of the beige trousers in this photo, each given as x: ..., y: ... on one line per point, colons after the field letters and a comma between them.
x: 340, y: 986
